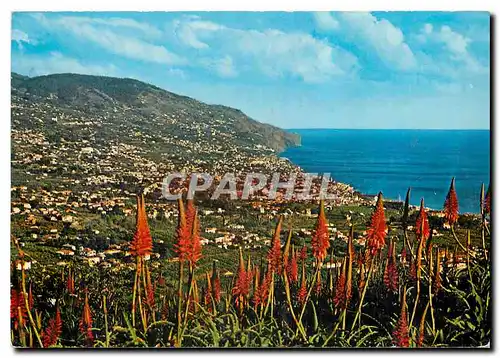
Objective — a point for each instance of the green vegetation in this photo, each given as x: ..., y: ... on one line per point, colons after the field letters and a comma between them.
x: 460, y: 307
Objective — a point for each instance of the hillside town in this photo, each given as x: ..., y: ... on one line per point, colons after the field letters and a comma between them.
x: 76, y: 172
x: 75, y: 169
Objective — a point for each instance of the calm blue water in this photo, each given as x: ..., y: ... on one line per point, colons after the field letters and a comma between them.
x: 392, y: 160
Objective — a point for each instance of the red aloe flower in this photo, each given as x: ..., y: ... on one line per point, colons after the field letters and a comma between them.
x: 86, y: 321
x: 150, y: 296
x: 249, y: 274
x: 53, y: 330
x: 302, y: 292
x: 339, y: 300
x: 266, y: 285
x: 17, y: 308
x: 400, y: 335
x: 391, y: 277
x: 378, y: 229
x: 207, y: 297
x: 194, y: 253
x: 437, y: 282
x: 241, y: 287
x: 59, y: 321
x: 303, y: 253
x: 261, y: 292
x: 421, y: 336
x: 320, y: 241
x: 188, y: 245
x: 215, y: 283
x: 293, y: 269
x: 422, y: 226
x: 451, y: 204
x: 274, y: 253
x: 360, y: 259
x: 413, y: 269
x: 487, y: 201
x: 207, y: 293
x: 349, y: 260
x: 142, y: 244
x: 183, y: 234
x: 217, y: 289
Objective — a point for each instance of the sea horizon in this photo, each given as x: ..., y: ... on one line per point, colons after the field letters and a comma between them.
x: 391, y: 160
x: 392, y: 129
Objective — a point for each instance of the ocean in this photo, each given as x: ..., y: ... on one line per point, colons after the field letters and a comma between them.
x: 393, y: 160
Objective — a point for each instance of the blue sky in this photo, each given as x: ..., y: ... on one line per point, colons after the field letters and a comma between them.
x: 295, y: 70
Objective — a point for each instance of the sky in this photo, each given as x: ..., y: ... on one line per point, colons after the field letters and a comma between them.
x: 381, y: 70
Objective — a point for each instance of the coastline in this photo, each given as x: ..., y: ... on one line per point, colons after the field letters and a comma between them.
x: 371, y: 197
x: 434, y: 190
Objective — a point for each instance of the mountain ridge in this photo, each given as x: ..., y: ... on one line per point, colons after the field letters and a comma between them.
x: 97, y: 93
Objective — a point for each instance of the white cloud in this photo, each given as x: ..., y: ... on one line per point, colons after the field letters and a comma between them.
x: 226, y: 51
x: 278, y: 53
x: 436, y: 50
x: 114, y: 22
x: 382, y: 36
x: 55, y: 62
x: 126, y: 46
x: 189, y: 32
x: 455, y: 58
x: 224, y: 67
x: 113, y: 41
x: 427, y: 28
x: 273, y: 52
x: 325, y: 20
x: 176, y: 72
x: 20, y: 36
x: 145, y: 28
x: 451, y: 40
x: 454, y: 41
